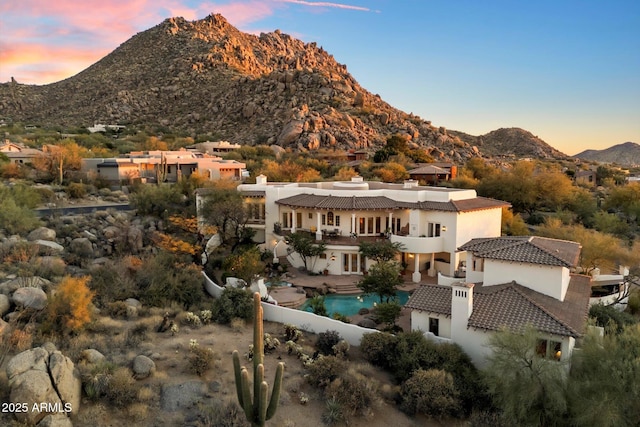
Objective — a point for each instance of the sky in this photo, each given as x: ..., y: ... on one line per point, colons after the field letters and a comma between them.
x: 568, y: 71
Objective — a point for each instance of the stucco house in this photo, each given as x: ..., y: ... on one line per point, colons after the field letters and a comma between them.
x: 172, y: 166
x: 19, y: 153
x: 510, y: 282
x: 430, y: 222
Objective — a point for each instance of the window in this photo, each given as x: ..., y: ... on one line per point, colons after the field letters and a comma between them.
x: 478, y: 264
x: 370, y: 225
x: 330, y: 218
x: 324, y: 219
x: 434, y: 325
x: 310, y: 215
x: 337, y: 220
x: 433, y: 229
x: 549, y: 349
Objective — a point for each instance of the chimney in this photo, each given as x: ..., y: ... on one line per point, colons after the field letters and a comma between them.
x: 261, y: 179
x: 461, y: 307
x: 410, y: 183
x: 357, y: 178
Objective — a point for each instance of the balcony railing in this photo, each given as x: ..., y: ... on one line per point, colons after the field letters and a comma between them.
x: 419, y: 245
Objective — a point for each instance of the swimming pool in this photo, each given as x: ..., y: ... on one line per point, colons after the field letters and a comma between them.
x: 349, y: 305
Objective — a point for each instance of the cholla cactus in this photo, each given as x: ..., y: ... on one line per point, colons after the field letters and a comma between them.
x: 257, y: 411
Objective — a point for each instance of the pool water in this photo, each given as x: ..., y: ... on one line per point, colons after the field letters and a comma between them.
x: 350, y: 305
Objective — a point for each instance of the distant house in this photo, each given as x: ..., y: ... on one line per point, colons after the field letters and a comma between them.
x: 214, y: 148
x: 587, y: 177
x: 434, y: 173
x: 511, y: 282
x: 18, y: 153
x: 170, y: 166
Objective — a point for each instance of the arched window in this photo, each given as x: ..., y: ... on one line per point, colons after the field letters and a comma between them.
x: 330, y: 218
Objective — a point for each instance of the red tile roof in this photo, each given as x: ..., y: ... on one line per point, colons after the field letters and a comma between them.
x: 514, y: 306
x: 529, y: 249
x: 313, y: 201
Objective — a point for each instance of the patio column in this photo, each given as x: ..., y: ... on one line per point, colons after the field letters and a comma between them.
x: 353, y: 223
x: 318, y: 230
x: 293, y: 220
x: 391, y: 223
x: 416, y: 276
x: 432, y: 266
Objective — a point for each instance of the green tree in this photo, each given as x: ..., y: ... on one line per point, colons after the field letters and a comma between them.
x: 383, y: 280
x: 245, y: 264
x: 513, y: 225
x: 527, y: 388
x: 382, y: 250
x: 388, y: 313
x: 604, y: 383
x: 305, y: 246
x: 317, y: 306
x: 625, y: 200
x: 223, y: 208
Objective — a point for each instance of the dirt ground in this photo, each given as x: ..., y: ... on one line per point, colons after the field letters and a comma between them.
x: 170, y: 353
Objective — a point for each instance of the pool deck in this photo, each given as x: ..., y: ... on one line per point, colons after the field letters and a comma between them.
x: 339, y: 284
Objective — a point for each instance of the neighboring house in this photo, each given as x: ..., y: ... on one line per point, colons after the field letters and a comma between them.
x: 434, y: 173
x: 511, y: 282
x: 170, y: 166
x: 431, y: 223
x: 587, y: 178
x: 18, y: 153
x: 214, y: 148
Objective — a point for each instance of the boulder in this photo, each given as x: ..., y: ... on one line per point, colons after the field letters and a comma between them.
x: 92, y: 356
x: 143, y: 367
x: 42, y: 233
x: 34, y: 298
x: 3, y: 327
x: 5, y: 305
x: 367, y: 323
x: 111, y: 232
x: 55, y: 420
x: 182, y: 396
x: 32, y: 387
x: 66, y: 379
x: 49, y: 245
x: 37, y: 377
x: 32, y: 359
x: 290, y: 132
x: 12, y: 285
x: 132, y: 302
x: 81, y: 246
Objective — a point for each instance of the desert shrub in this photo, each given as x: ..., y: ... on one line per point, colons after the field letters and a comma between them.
x: 103, y: 279
x: 16, y: 219
x: 190, y: 319
x: 270, y: 343
x: 137, y: 412
x: 341, y: 349
x: 69, y: 309
x: 221, y: 414
x: 317, y: 306
x: 233, y: 303
x: 326, y: 341
x: 158, y: 200
x: 341, y: 317
x: 431, y: 393
x: 200, y: 360
x: 169, y: 277
x: 333, y: 413
x: 137, y: 334
x: 379, y: 348
x: 95, y: 379
x: 122, y: 388
x: 117, y: 309
x: 608, y: 317
x: 292, y: 333
x: 324, y: 370
x: 634, y: 302
x: 354, y: 391
x: 237, y: 324
x: 76, y: 190
x: 487, y: 418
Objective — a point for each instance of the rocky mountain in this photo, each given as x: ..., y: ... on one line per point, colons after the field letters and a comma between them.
x: 206, y: 76
x: 627, y: 153
x: 511, y: 142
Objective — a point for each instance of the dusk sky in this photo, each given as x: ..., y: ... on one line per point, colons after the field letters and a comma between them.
x: 566, y: 70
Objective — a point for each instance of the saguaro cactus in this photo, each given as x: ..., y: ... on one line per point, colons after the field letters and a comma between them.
x: 256, y: 410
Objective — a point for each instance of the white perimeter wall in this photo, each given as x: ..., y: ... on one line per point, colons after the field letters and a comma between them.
x: 302, y: 319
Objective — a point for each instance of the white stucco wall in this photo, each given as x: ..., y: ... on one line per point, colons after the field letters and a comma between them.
x: 420, y: 322
x: 548, y: 280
